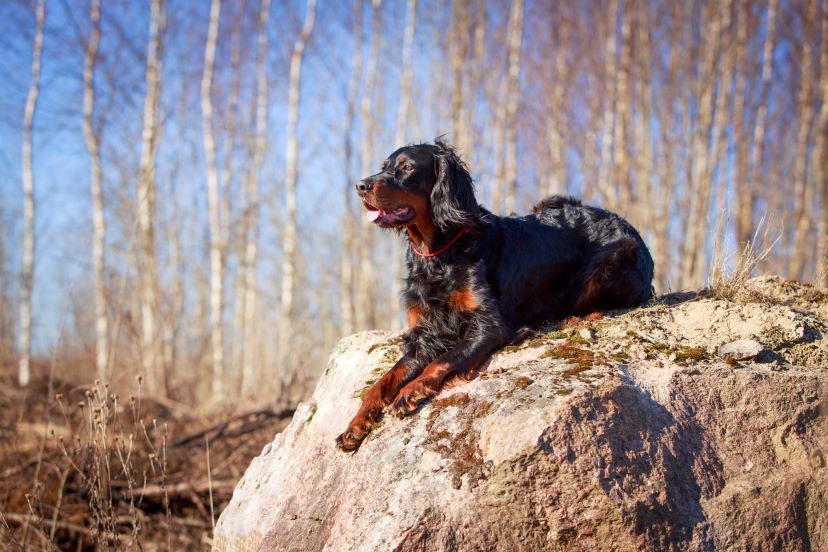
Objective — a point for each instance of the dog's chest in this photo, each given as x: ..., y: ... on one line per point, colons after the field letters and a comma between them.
x: 439, y: 290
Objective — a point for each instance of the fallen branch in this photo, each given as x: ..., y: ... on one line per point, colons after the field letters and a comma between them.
x: 250, y: 421
x: 184, y: 488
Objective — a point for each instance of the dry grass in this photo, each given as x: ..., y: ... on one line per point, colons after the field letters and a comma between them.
x: 85, y: 469
x: 730, y: 270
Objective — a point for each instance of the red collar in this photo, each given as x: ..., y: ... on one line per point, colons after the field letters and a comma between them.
x: 443, y: 250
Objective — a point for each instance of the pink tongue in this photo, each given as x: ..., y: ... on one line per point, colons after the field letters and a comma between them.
x: 373, y: 215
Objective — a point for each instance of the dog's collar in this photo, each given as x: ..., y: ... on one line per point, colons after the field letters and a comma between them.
x: 444, y: 249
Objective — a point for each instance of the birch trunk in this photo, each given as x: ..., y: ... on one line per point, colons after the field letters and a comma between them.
x: 289, y: 244
x: 216, y: 234
x: 803, y: 192
x: 24, y: 369
x: 515, y: 34
x: 364, y: 312
x: 252, y: 215
x: 620, y: 165
x: 757, y: 147
x: 346, y: 269
x: 821, y: 154
x: 606, y: 160
x: 150, y: 351
x: 558, y: 119
x: 642, y: 100
x: 396, y: 321
x: 98, y: 229
x: 699, y: 187
x: 719, y: 144
x: 740, y: 177
x: 458, y: 48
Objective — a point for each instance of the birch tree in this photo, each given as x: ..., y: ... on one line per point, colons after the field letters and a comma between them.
x: 692, y: 256
x: 346, y: 270
x: 291, y: 161
x: 98, y: 225
x: 803, y: 192
x: 363, y: 303
x: 252, y: 214
x: 606, y: 160
x: 558, y: 111
x: 744, y: 227
x: 821, y: 155
x: 150, y: 352
x: 24, y: 369
x: 216, y: 233
x: 515, y: 33
x: 621, y: 165
x: 403, y: 111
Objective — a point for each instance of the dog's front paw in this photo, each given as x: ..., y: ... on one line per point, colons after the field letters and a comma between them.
x: 410, y: 398
x: 350, y: 440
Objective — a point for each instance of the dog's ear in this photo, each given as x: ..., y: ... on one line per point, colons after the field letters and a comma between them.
x: 452, y: 199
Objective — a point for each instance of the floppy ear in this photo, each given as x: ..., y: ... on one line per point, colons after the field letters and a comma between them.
x: 452, y: 199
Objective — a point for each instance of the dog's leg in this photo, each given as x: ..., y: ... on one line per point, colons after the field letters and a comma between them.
x: 470, y: 353
x: 376, y: 399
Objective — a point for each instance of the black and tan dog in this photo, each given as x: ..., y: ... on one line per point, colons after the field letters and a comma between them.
x: 477, y: 281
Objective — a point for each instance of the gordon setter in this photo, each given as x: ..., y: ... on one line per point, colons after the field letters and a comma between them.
x: 477, y: 281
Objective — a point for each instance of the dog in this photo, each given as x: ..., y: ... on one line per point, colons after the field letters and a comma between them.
x: 477, y: 282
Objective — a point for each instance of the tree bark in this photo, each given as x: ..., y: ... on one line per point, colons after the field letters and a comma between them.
x: 757, y: 148
x: 621, y: 165
x: 821, y: 155
x: 515, y: 33
x: 740, y: 177
x: 150, y: 351
x: 216, y: 233
x: 346, y: 269
x: 803, y: 192
x: 458, y: 52
x: 606, y: 159
x: 98, y: 227
x: 289, y: 243
x: 252, y: 214
x: 365, y: 315
x: 396, y: 318
x: 24, y: 368
x: 558, y: 117
x: 699, y: 186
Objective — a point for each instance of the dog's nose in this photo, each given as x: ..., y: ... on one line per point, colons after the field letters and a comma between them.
x: 364, y: 185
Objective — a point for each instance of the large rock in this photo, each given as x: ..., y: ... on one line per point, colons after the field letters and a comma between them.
x: 639, y: 439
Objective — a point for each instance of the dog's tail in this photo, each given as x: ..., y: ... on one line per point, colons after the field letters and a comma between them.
x: 554, y: 202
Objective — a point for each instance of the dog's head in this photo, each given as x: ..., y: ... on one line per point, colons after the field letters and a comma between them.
x: 419, y: 185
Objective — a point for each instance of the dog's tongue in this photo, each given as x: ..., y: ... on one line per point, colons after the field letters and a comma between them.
x: 373, y: 215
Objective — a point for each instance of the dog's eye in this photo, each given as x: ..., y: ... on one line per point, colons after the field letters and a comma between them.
x: 408, y: 168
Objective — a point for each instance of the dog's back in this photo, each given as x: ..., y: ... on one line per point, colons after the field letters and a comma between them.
x: 574, y: 259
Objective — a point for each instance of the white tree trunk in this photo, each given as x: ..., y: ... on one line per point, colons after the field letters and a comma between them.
x: 24, y: 372
x: 692, y: 253
x: 515, y: 33
x: 364, y: 285
x: 98, y: 225
x: 821, y: 156
x: 289, y: 243
x: 216, y: 233
x: 558, y: 118
x: 396, y: 318
x: 605, y: 160
x: 803, y: 192
x: 150, y: 351
x: 346, y: 271
x: 758, y: 140
x: 252, y: 215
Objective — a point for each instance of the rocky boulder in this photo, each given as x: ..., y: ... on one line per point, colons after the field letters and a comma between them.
x: 624, y: 433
